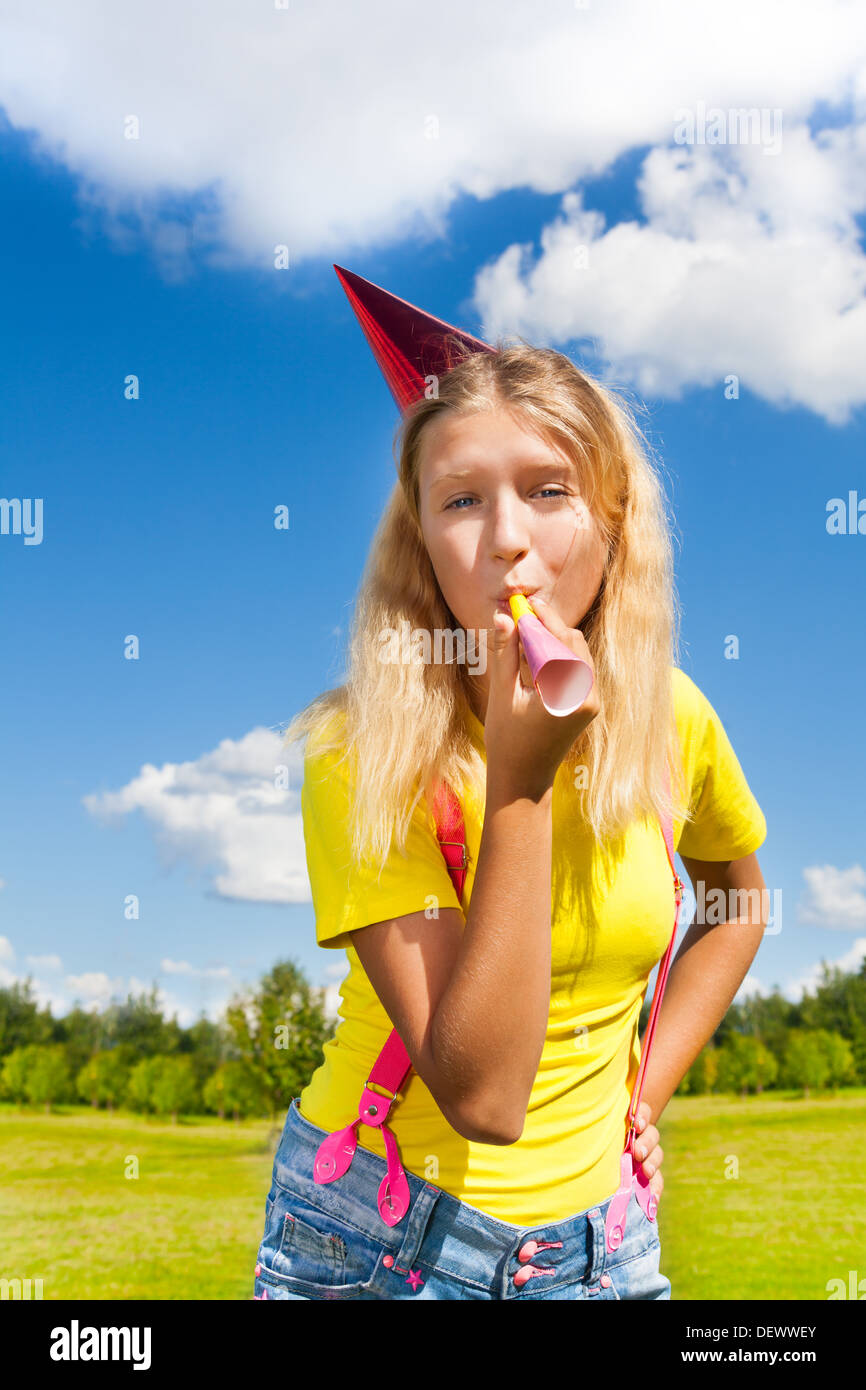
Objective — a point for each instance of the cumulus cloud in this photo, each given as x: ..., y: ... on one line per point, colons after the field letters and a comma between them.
x: 94, y: 990
x: 183, y: 967
x: 809, y: 980
x: 834, y: 898
x: 229, y: 811
x: 745, y: 267
x: 45, y: 962
x: 330, y: 129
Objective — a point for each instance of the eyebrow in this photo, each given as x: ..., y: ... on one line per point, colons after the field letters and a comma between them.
x: 538, y: 466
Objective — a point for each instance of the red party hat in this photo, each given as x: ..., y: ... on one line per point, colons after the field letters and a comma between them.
x: 408, y: 343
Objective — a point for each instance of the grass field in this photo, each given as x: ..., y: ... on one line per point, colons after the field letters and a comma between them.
x: 792, y: 1218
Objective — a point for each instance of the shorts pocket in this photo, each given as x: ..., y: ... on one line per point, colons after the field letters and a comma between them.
x: 640, y: 1277
x: 308, y: 1251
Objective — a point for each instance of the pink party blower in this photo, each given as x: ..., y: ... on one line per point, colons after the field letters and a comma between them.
x: 562, y: 680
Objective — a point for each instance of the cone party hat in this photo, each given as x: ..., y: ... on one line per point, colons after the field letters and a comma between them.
x: 408, y: 344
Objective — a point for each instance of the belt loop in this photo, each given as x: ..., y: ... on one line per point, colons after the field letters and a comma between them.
x: 419, y: 1219
x: 597, y: 1250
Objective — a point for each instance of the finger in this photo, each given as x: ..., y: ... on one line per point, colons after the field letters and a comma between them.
x: 647, y: 1142
x: 653, y: 1161
x: 504, y: 635
x: 657, y: 1184
x: 552, y: 620
x: 525, y: 673
x: 505, y: 662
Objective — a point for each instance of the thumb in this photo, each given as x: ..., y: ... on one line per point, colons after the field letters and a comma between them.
x: 505, y: 643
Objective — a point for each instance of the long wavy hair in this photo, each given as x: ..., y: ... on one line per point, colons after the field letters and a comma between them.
x: 404, y: 725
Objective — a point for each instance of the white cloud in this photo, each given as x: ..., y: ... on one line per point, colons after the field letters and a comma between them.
x: 751, y: 985
x: 810, y: 979
x: 333, y: 128
x: 746, y: 266
x: 7, y: 950
x: 183, y: 967
x: 223, y: 810
x: 45, y: 962
x: 331, y: 1001
x: 93, y: 988
x: 834, y: 898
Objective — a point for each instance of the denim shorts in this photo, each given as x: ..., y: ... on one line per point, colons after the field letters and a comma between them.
x: 328, y: 1241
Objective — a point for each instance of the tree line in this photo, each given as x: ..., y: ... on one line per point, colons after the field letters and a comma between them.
x: 266, y: 1046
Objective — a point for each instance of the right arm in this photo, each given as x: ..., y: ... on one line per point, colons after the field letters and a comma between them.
x: 471, y: 1002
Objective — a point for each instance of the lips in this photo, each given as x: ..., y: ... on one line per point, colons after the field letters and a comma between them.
x: 503, y: 605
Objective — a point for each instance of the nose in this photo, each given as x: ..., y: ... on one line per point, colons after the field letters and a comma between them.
x: 510, y: 535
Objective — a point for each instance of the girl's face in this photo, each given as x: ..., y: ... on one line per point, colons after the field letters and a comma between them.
x: 500, y: 512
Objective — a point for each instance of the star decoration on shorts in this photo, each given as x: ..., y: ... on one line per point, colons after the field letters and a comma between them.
x: 414, y: 1278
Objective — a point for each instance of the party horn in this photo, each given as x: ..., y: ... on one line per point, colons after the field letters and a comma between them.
x: 562, y: 679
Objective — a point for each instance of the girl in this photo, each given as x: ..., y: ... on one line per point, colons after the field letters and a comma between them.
x: 518, y: 1003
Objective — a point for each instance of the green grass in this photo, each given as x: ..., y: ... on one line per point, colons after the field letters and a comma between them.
x: 189, y: 1225
x: 793, y: 1219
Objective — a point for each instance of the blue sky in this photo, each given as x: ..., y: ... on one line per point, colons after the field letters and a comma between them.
x: 140, y: 777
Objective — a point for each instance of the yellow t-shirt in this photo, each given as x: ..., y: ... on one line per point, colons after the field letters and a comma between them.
x: 611, y: 919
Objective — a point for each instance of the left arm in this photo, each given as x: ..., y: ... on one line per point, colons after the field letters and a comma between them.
x: 711, y: 963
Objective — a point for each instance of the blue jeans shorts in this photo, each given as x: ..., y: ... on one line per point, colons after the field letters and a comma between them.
x: 328, y: 1241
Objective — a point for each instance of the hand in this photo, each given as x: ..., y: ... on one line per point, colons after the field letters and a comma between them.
x: 526, y: 744
x: 647, y: 1137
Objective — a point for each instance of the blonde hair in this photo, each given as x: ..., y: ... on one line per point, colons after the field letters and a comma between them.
x: 404, y: 725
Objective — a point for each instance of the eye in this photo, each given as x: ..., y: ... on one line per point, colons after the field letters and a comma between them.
x: 553, y: 492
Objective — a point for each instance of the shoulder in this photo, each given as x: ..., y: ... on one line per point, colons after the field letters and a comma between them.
x: 689, y: 699
x: 693, y: 712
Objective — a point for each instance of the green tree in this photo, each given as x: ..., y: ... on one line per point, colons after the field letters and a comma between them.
x: 858, y: 1051
x: 806, y: 1063
x: 174, y: 1087
x: 139, y: 1026
x: 209, y: 1045
x: 103, y: 1077
x: 81, y: 1032
x: 22, y: 1023
x: 742, y: 1064
x: 766, y: 1017
x: 48, y: 1077
x: 16, y: 1069
x: 139, y: 1088
x: 839, y: 1055
x: 234, y: 1087
x: 279, y: 1030
x: 767, y: 1067
x: 838, y: 1002
x: 700, y: 1078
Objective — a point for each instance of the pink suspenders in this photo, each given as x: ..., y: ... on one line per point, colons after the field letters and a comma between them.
x: 393, y: 1064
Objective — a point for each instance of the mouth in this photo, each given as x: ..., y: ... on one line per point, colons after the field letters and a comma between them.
x: 502, y: 604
